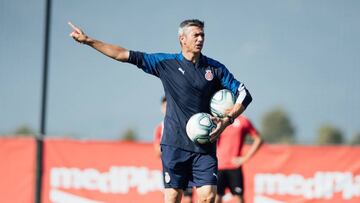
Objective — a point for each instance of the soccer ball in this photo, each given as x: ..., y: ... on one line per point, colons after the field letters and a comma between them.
x: 199, y: 127
x: 222, y: 101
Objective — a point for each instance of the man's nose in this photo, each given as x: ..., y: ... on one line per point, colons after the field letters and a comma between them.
x: 201, y: 38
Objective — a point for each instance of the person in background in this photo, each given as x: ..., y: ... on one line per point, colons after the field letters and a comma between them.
x: 188, y: 192
x: 231, y: 158
x: 159, y: 129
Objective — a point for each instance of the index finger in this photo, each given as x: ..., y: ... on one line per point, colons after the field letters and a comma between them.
x: 213, y: 137
x: 74, y: 27
x: 214, y: 119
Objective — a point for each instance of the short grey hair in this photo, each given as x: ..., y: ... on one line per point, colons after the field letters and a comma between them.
x: 188, y: 23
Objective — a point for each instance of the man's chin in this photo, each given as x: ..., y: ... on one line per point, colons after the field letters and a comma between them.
x: 197, y: 51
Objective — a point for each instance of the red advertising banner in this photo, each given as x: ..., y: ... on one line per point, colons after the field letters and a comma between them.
x: 282, y: 174
x: 17, y: 170
x: 94, y: 172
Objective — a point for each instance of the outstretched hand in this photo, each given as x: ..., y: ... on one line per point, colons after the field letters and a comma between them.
x: 77, y: 34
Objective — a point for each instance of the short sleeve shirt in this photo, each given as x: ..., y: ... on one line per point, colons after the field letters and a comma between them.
x: 188, y: 89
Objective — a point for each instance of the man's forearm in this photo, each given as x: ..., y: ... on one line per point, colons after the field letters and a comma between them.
x: 237, y: 110
x: 112, y: 51
x: 254, y: 147
x: 234, y: 113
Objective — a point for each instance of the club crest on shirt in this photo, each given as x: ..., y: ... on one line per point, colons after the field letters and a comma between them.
x: 209, y: 75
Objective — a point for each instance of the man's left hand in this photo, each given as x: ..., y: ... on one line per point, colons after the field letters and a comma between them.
x: 221, y: 124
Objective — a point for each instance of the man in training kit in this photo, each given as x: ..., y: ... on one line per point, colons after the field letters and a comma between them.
x: 189, y: 79
x: 230, y: 158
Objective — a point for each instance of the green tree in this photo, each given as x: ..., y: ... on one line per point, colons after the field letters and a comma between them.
x: 355, y: 139
x: 276, y: 127
x: 329, y: 134
x: 129, y: 135
x: 24, y: 130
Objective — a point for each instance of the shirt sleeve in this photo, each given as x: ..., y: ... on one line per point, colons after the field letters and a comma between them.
x: 149, y: 63
x: 144, y: 61
x: 226, y: 78
x: 228, y: 81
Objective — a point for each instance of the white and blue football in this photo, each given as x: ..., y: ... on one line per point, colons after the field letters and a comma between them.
x: 199, y: 127
x: 221, y: 103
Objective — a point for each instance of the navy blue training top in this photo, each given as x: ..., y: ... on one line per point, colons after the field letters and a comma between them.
x: 188, y: 89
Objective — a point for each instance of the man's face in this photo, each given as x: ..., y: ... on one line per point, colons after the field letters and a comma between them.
x: 193, y: 39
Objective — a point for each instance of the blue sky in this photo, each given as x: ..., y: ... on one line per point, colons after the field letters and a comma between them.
x: 302, y: 56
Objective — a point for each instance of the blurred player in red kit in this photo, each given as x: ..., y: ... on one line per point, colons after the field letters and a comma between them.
x: 157, y: 139
x: 159, y: 129
x: 231, y: 159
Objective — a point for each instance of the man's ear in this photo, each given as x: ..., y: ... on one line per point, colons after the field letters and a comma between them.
x: 181, y: 39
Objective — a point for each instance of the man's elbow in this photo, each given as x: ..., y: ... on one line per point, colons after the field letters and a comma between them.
x: 122, y: 56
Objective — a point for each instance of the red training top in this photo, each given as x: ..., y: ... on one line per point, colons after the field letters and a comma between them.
x: 231, y: 141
